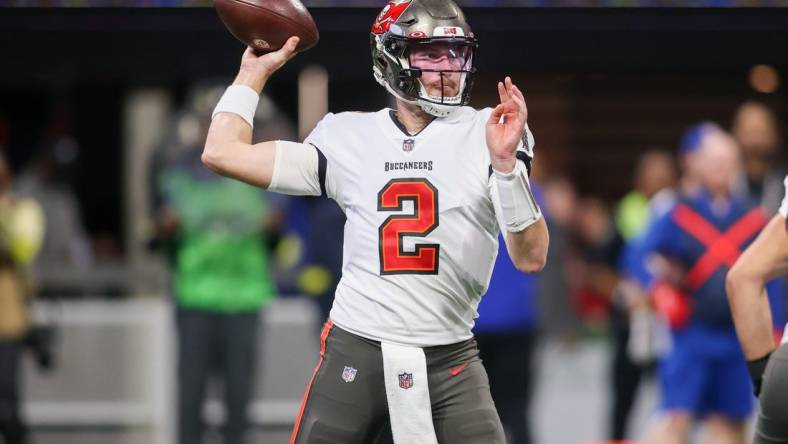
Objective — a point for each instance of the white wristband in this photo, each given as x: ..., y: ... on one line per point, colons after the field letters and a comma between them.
x: 240, y: 100
x: 515, y: 199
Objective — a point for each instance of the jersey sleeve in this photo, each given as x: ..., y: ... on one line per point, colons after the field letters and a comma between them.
x: 297, y: 170
x: 784, y: 205
x: 525, y: 149
x: 319, y: 139
x: 527, y: 144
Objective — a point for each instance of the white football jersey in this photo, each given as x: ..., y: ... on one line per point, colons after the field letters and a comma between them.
x: 421, y: 235
x: 783, y: 211
x: 784, y: 205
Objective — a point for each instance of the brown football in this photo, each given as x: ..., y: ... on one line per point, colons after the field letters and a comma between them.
x: 265, y: 25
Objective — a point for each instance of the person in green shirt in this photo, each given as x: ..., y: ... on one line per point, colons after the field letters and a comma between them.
x: 216, y: 233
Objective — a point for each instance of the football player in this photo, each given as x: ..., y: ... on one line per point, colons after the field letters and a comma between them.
x: 426, y: 187
x: 765, y: 259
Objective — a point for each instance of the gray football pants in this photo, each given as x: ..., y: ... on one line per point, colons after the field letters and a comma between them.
x: 772, y: 426
x: 335, y: 411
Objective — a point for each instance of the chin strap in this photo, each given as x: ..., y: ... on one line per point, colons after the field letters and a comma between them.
x: 438, y: 109
x: 435, y: 109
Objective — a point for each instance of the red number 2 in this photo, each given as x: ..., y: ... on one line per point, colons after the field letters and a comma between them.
x: 393, y: 259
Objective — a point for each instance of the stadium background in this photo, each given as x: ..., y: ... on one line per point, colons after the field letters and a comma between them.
x: 602, y: 85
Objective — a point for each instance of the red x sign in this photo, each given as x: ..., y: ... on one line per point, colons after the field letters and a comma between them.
x: 721, y: 248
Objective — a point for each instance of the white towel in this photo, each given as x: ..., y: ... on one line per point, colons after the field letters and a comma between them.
x: 408, y: 394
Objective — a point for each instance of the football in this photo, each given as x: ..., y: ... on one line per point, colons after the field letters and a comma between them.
x: 265, y: 25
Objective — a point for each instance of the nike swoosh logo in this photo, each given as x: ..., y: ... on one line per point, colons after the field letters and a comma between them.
x: 457, y: 370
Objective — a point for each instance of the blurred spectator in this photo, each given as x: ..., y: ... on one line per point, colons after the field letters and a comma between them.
x: 21, y: 233
x: 689, y: 158
x: 704, y: 374
x: 48, y: 180
x: 506, y: 331
x: 599, y: 246
x: 554, y: 292
x: 324, y: 238
x: 756, y: 131
x: 655, y: 174
x: 215, y: 229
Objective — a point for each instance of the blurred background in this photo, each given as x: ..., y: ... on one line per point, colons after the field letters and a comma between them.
x: 103, y: 109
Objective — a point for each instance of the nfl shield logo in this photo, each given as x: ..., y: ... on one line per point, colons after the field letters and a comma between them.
x: 406, y: 380
x: 407, y: 145
x: 349, y: 374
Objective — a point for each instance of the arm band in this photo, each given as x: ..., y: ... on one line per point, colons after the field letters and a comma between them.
x: 515, y: 199
x: 240, y: 100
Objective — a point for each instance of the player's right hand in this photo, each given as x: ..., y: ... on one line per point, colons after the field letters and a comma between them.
x: 256, y: 69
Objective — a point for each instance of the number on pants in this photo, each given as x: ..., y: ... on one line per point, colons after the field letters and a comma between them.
x: 393, y: 258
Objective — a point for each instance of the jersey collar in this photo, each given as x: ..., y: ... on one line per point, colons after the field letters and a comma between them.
x: 393, y: 115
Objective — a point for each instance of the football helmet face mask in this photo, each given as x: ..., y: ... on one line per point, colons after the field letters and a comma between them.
x: 423, y: 53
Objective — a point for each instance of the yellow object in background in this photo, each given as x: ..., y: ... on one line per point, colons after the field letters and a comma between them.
x: 289, y: 252
x: 314, y: 280
x: 632, y: 215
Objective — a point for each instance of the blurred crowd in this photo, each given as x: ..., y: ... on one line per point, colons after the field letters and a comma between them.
x: 651, y: 267
x: 615, y: 269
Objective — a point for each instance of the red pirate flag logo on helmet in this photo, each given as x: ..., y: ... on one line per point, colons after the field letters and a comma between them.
x: 389, y: 16
x: 406, y: 380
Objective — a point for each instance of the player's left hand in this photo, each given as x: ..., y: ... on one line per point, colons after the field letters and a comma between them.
x: 506, y: 126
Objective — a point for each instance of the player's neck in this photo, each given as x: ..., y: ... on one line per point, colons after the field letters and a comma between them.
x: 413, y: 118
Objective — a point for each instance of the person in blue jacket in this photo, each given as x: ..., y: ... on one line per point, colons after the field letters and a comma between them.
x: 682, y: 261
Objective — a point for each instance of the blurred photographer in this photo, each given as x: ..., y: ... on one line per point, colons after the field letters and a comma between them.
x: 21, y: 233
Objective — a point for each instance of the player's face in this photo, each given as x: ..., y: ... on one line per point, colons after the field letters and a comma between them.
x: 441, y: 63
x: 756, y: 132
